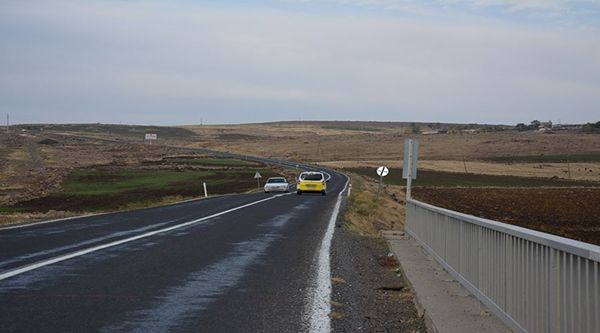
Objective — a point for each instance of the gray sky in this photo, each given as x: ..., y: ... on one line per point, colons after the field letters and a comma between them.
x: 180, y: 62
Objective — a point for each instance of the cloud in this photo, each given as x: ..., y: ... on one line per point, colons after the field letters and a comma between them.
x: 583, y: 13
x: 512, y: 4
x: 176, y: 62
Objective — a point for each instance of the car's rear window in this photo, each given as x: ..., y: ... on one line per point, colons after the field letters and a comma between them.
x: 316, y: 176
x: 276, y: 180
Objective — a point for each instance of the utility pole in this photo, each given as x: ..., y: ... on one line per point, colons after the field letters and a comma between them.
x: 7, y: 122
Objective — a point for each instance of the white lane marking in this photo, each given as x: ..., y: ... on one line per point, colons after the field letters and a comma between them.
x: 320, y: 293
x: 83, y: 243
x: 54, y: 260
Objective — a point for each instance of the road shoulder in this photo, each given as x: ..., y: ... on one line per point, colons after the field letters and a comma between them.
x: 369, y: 294
x: 445, y: 305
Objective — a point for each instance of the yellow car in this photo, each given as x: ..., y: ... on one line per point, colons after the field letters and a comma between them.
x: 311, y: 182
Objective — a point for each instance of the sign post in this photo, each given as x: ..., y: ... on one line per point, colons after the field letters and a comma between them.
x: 149, y: 137
x: 382, y: 172
x: 409, y: 169
x: 257, y: 176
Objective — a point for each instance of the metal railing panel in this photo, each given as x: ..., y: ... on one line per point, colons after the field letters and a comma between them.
x: 535, y: 282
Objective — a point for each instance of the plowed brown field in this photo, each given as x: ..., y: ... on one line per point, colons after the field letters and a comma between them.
x: 571, y: 212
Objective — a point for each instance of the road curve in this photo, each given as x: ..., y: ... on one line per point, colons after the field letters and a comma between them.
x: 250, y: 263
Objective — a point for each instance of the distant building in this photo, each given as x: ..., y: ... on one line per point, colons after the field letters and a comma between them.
x: 471, y: 131
x: 545, y: 126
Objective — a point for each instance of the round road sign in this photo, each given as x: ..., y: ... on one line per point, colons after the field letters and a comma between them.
x: 382, y: 171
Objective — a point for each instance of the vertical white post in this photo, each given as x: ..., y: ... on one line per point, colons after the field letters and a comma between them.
x: 409, y: 174
x: 205, y: 192
x: 7, y: 122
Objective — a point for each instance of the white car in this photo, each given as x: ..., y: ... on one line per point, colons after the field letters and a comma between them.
x: 276, y: 184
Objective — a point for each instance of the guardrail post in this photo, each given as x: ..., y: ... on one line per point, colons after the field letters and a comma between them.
x: 553, y: 289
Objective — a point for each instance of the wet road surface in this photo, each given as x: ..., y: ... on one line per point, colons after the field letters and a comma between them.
x: 247, y: 263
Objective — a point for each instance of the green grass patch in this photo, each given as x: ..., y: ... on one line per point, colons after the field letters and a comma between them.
x: 453, y: 179
x: 101, y: 190
x: 8, y: 210
x: 546, y: 158
x: 95, y: 182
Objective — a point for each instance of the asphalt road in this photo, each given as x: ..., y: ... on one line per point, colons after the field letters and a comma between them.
x: 236, y: 263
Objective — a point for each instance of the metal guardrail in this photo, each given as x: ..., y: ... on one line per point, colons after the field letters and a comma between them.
x: 533, y: 281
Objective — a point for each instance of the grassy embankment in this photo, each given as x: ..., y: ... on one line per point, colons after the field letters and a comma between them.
x: 366, y: 215
x: 89, y: 190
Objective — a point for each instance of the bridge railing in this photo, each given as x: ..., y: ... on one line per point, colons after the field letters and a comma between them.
x: 533, y: 281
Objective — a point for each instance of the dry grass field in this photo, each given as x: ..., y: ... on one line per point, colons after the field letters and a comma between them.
x: 568, y: 155
x: 36, y: 161
x: 384, y: 141
x: 54, y: 173
x: 366, y: 144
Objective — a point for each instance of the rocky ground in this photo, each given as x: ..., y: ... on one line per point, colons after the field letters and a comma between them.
x: 369, y: 292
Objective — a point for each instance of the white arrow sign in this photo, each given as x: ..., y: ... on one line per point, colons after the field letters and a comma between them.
x: 382, y: 171
x: 257, y: 175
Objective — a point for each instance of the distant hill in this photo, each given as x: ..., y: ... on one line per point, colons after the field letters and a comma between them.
x: 129, y: 131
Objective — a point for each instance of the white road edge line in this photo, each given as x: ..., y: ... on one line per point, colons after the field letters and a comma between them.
x: 320, y: 298
x: 25, y: 225
x: 36, y: 223
x: 54, y: 260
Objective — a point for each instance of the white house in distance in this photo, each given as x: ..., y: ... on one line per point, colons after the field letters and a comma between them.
x: 545, y: 126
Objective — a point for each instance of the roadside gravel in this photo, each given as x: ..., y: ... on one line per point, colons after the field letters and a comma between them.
x: 369, y: 294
